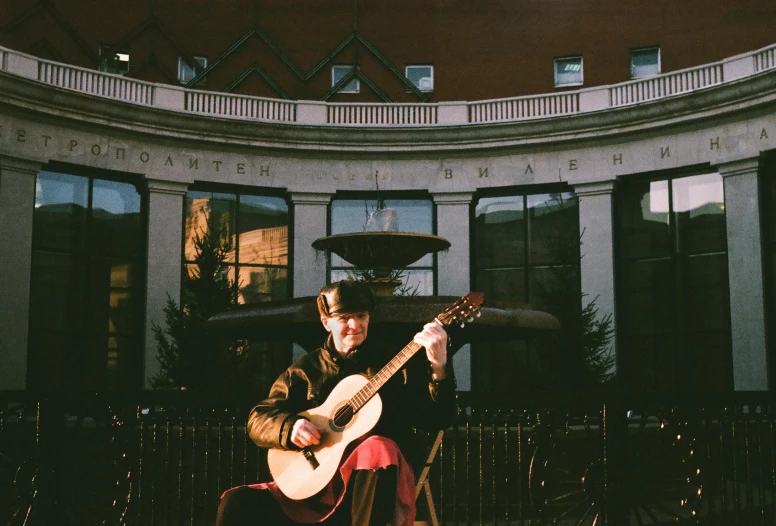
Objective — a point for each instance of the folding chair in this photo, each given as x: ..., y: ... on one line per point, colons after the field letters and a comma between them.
x: 422, y: 482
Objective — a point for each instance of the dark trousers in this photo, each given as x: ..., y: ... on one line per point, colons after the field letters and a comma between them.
x: 369, y: 501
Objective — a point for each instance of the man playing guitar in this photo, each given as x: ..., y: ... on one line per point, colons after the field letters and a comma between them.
x: 370, y: 486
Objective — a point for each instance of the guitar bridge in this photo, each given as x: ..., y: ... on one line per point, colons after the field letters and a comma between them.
x: 310, y: 456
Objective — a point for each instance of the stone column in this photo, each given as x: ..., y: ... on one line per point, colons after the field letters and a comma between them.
x: 596, y: 222
x: 454, y: 265
x: 745, y: 274
x: 452, y: 221
x: 309, y: 266
x: 17, y: 203
x: 310, y: 223
x: 165, y: 259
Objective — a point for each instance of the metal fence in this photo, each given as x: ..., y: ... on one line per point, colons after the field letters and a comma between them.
x: 572, y: 459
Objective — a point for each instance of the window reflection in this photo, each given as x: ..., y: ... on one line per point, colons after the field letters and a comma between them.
x: 673, y: 284
x: 526, y: 250
x: 85, y: 316
x: 698, y: 195
x: 253, y: 230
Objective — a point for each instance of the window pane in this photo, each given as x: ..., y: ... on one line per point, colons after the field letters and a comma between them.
x: 115, y: 63
x: 263, y: 230
x: 554, y: 229
x: 706, y: 288
x: 421, y: 76
x: 340, y: 72
x: 555, y: 289
x: 645, y: 62
x: 568, y: 71
x: 121, y: 356
x: 98, y: 295
x: 351, y: 215
x: 508, y: 284
x: 210, y: 212
x: 260, y: 284
x: 699, y: 205
x: 50, y: 360
x: 55, y: 292
x: 709, y: 362
x: 116, y: 219
x: 644, y: 220
x: 650, y: 364
x: 186, y: 71
x: 647, y: 297
x: 500, y: 231
x: 61, y: 204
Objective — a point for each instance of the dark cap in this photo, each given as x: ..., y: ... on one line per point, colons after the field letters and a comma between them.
x: 344, y: 297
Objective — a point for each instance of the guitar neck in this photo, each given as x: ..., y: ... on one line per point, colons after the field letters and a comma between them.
x: 383, y: 375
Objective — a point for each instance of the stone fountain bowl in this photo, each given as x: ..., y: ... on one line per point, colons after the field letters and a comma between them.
x: 394, y: 319
x: 381, y: 250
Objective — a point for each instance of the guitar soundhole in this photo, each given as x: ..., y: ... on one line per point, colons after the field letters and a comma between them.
x: 343, y: 416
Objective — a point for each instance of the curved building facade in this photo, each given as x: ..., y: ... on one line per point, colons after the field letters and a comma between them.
x: 665, y: 184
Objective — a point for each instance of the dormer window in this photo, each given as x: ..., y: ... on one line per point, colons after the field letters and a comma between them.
x: 340, y: 72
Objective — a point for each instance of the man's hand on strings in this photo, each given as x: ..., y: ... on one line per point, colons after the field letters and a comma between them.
x: 305, y: 434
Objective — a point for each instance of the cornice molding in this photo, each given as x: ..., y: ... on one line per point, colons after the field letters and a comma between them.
x: 453, y: 198
x: 311, y: 198
x: 161, y: 186
x: 19, y: 165
x: 747, y: 166
x: 594, y: 188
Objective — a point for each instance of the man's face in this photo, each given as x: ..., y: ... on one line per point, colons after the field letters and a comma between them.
x: 347, y: 330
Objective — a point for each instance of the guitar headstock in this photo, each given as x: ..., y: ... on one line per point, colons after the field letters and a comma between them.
x: 462, y: 311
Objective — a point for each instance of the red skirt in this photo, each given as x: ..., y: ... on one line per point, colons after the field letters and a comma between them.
x: 374, y: 452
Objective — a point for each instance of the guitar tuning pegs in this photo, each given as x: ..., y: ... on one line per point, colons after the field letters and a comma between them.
x: 479, y: 313
x: 471, y: 319
x: 463, y: 324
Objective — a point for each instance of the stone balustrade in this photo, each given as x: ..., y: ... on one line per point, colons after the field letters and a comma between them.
x: 388, y: 114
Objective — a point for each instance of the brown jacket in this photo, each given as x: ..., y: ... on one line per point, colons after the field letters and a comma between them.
x: 410, y: 398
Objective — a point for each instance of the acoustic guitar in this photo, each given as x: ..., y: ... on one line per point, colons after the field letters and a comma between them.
x: 351, y: 410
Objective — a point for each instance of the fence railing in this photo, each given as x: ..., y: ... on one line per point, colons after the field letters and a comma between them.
x: 96, y: 83
x: 229, y: 105
x: 240, y: 106
x: 381, y: 114
x: 666, y: 85
x: 582, y: 460
x: 522, y: 108
x: 765, y: 59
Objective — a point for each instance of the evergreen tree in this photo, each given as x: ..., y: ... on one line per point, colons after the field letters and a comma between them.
x: 578, y: 356
x: 190, y: 357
